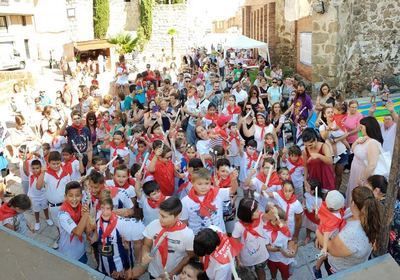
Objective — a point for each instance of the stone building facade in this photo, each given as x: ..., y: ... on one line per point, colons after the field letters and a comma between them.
x: 264, y: 20
x: 230, y: 25
x: 124, y: 16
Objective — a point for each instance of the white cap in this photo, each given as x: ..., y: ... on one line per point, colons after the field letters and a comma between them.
x: 334, y: 200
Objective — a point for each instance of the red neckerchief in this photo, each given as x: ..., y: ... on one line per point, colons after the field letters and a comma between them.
x: 233, y: 110
x: 262, y: 130
x: 109, y: 229
x: 220, y: 254
x: 124, y: 186
x: 211, y: 117
x: 75, y: 215
x: 206, y: 207
x: 311, y: 216
x: 68, y: 165
x: 275, y: 229
x: 251, y: 228
x: 155, y: 137
x: 221, y: 132
x: 329, y: 221
x: 156, y: 204
x: 274, y: 180
x: 224, y: 183
x: 6, y: 212
x: 53, y: 173
x: 78, y: 128
x: 121, y: 146
x: 185, y: 184
x: 106, y: 125
x: 289, y: 201
x: 163, y: 246
x: 251, y: 158
x: 297, y: 164
x: 234, y: 136
x: 132, y: 181
x: 32, y: 179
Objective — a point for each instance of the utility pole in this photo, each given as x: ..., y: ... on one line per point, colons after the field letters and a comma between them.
x: 391, y: 195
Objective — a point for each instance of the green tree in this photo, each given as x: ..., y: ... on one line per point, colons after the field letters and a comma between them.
x: 101, y: 17
x: 172, y: 32
x: 146, y: 17
x: 124, y: 41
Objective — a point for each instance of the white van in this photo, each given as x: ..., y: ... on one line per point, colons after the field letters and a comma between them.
x: 11, y: 60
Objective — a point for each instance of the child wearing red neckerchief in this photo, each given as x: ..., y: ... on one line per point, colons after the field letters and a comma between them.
x: 282, y: 250
x: 248, y: 162
x: 226, y: 177
x: 110, y: 233
x: 121, y: 180
x: 74, y: 219
x: 259, y: 183
x: 217, y: 251
x: 74, y: 166
x: 311, y: 220
x: 171, y: 240
x: 235, y: 147
x: 293, y: 160
x: 38, y: 197
x: 232, y: 110
x: 204, y: 204
x: 118, y: 149
x: 249, y: 231
x: 149, y: 198
x: 219, y: 135
x: 11, y: 209
x: 287, y: 200
x: 331, y: 221
x: 211, y: 115
x: 194, y: 165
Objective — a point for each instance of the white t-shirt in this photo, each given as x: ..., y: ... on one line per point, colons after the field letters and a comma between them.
x: 55, y: 189
x: 217, y: 271
x: 280, y: 241
x: 179, y: 242
x: 254, y: 250
x: 389, y: 136
x: 241, y: 96
x: 259, y: 135
x: 55, y: 144
x: 295, y: 208
x: 76, y: 174
x: 297, y: 176
x: 130, y: 190
x: 203, y: 147
x: 190, y: 212
x: 34, y: 193
x: 263, y: 200
x: 149, y: 214
x: 74, y: 248
x: 340, y: 147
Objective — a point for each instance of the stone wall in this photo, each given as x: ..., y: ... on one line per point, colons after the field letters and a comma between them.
x: 124, y: 16
x: 285, y: 50
x: 355, y: 41
x: 166, y: 17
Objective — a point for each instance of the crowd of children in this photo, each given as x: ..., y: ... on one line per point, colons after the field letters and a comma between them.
x: 145, y: 198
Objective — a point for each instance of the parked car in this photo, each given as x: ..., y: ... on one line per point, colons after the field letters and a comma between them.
x: 12, y: 61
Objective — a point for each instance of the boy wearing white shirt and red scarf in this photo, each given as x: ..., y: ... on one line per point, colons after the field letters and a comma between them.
x: 74, y: 218
x: 149, y: 198
x: 247, y: 162
x: 204, y: 204
x: 118, y: 148
x: 121, y: 180
x: 71, y: 164
x: 295, y: 164
x: 38, y: 197
x: 172, y: 241
x: 281, y: 249
x: 215, y: 247
x: 54, y: 180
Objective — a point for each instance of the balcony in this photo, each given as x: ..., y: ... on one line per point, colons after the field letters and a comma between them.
x: 17, y: 7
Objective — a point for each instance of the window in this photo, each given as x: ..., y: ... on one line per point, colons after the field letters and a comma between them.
x: 4, y: 2
x: 305, y: 48
x: 23, y: 20
x: 3, y: 24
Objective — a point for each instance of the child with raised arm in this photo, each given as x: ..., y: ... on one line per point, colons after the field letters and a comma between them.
x: 249, y: 231
x: 311, y: 203
x: 282, y: 249
x: 38, y: 197
x: 203, y: 206
x: 74, y: 218
x: 168, y: 243
x: 331, y: 217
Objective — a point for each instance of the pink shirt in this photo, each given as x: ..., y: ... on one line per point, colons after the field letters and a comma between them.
x: 351, y: 122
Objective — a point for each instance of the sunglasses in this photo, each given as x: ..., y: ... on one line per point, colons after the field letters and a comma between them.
x: 91, y: 119
x: 187, y: 81
x: 113, y: 117
x: 248, y: 109
x: 274, y: 82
